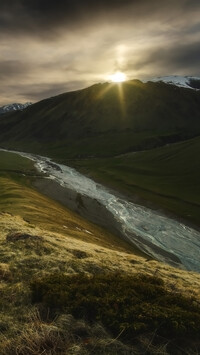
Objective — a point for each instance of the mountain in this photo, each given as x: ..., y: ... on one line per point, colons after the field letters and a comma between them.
x: 14, y: 107
x: 104, y: 120
x: 189, y: 82
x: 99, y: 123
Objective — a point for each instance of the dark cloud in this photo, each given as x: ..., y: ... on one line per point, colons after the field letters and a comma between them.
x: 44, y: 17
x: 10, y: 68
x: 192, y: 4
x: 37, y: 92
x: 42, y: 91
x: 183, y: 58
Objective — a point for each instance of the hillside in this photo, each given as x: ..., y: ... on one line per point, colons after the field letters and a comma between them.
x: 70, y: 287
x: 104, y: 120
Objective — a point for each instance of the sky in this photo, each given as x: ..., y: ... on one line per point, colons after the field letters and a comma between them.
x: 48, y: 47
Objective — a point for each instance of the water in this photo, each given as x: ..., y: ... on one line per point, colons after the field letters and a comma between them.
x: 164, y: 238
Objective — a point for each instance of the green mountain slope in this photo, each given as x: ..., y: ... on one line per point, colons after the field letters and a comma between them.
x: 104, y: 120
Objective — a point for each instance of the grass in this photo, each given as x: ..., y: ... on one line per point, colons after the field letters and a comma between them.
x: 11, y: 162
x: 61, y: 295
x: 126, y: 305
x: 18, y: 197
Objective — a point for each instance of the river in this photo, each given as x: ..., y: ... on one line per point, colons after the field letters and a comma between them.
x: 163, y: 238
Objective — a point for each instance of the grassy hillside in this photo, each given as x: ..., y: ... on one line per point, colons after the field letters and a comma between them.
x: 104, y: 120
x: 69, y: 287
x: 168, y: 176
x: 18, y: 197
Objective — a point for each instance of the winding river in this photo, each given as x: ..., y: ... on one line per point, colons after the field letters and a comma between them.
x: 159, y: 236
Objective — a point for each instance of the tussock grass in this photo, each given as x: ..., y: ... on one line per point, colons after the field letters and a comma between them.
x: 125, y: 304
x: 26, y: 326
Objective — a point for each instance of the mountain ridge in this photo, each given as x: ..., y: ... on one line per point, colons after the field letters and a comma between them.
x: 104, y: 119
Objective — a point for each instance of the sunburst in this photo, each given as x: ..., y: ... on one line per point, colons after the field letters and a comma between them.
x: 118, y: 77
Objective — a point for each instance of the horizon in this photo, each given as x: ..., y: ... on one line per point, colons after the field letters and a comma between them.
x: 105, y: 82
x: 48, y: 48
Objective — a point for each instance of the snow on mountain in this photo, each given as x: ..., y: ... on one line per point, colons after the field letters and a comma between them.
x: 189, y: 82
x: 14, y: 107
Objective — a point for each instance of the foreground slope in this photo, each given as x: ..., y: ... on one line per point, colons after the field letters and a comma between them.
x: 104, y: 120
x: 68, y: 287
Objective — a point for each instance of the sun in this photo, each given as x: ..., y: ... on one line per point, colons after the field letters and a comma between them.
x: 118, y: 77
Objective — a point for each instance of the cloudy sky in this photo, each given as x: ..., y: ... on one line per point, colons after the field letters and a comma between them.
x: 52, y: 46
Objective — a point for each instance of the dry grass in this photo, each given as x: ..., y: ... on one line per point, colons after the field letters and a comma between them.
x: 22, y: 330
x: 65, y: 253
x: 19, y: 199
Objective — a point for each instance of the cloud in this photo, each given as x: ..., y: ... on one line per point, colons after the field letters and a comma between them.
x: 48, y: 17
x: 10, y: 68
x: 49, y: 47
x: 36, y: 92
x: 179, y: 58
x: 43, y: 91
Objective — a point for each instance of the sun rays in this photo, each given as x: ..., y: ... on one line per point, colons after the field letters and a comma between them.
x: 118, y: 77
x: 122, y: 88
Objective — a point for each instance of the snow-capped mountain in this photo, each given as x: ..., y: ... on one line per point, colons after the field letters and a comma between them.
x: 189, y: 82
x: 14, y: 107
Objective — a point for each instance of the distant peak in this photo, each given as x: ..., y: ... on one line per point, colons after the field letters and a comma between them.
x: 14, y: 107
x: 189, y: 82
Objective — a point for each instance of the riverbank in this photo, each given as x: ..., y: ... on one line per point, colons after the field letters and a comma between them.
x: 89, y: 208
x: 165, y: 179
x: 94, y: 211
x: 140, y: 196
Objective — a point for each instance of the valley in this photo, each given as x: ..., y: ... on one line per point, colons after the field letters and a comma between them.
x: 99, y: 222
x: 99, y: 129
x: 151, y: 232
